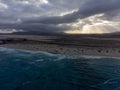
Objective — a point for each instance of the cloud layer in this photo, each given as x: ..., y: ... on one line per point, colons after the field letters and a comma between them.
x: 69, y: 16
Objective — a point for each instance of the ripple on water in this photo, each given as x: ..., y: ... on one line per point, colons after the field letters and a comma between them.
x: 27, y: 70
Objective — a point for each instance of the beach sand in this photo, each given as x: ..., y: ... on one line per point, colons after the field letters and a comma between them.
x: 63, y: 45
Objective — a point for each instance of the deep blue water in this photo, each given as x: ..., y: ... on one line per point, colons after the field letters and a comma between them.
x: 25, y: 70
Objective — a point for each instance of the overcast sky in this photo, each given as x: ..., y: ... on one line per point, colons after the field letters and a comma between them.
x: 61, y: 16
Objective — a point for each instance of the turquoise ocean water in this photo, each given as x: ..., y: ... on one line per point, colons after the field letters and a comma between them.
x: 27, y: 70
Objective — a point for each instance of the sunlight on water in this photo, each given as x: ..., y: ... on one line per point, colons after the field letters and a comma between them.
x: 27, y: 70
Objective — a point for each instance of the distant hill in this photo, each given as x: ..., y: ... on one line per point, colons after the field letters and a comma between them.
x: 107, y: 35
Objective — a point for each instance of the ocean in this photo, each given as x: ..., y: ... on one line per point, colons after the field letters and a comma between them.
x: 28, y: 70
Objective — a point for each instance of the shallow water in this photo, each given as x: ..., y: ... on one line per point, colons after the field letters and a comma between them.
x: 26, y: 70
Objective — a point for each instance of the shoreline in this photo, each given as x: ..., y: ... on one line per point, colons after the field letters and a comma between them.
x: 64, y: 45
x: 73, y: 56
x: 66, y: 50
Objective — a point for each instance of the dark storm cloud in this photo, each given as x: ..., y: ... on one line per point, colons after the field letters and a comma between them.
x: 34, y: 27
x: 88, y: 9
x: 45, y: 15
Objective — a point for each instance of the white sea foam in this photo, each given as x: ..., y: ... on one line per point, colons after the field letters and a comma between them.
x: 6, y: 49
x: 39, y: 60
x: 98, y: 57
x: 47, y: 53
x: 60, y: 57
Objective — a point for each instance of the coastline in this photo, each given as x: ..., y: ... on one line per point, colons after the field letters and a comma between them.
x: 66, y: 50
x: 63, y: 45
